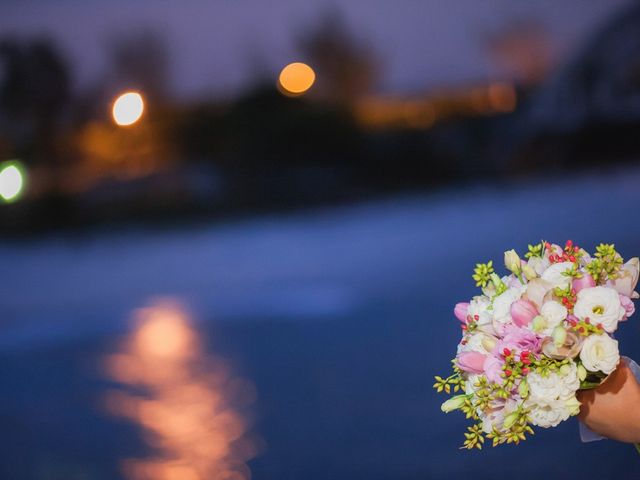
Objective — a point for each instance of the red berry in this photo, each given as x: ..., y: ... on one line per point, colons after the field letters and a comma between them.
x: 572, y: 258
x: 525, y: 370
x: 476, y: 317
x: 507, y: 373
x: 506, y: 352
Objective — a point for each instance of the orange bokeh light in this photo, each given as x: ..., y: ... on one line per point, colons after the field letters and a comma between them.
x: 296, y: 78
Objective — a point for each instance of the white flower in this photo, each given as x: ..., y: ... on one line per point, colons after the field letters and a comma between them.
x: 544, y: 389
x: 479, y: 306
x: 554, y: 274
x: 570, y: 383
x: 552, y: 398
x: 600, y: 305
x: 551, y: 315
x: 600, y: 353
x: 548, y: 414
x: 560, y: 384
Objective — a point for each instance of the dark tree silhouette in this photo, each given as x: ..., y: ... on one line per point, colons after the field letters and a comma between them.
x: 141, y: 61
x: 345, y: 66
x: 35, y: 89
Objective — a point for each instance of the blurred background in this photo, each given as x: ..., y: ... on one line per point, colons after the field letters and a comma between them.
x: 232, y: 233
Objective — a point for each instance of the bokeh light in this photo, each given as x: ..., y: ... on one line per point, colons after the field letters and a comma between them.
x: 128, y: 108
x: 296, y: 78
x: 12, y: 180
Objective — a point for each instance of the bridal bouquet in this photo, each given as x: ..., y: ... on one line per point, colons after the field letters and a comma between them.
x: 535, y: 337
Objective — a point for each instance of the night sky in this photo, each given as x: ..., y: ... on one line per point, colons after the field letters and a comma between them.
x: 215, y: 45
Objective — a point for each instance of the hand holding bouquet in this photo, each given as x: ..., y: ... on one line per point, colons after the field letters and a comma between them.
x: 535, y: 337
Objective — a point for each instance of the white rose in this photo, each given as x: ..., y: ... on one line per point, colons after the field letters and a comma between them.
x: 549, y: 414
x: 554, y: 274
x: 544, y: 389
x: 570, y: 383
x: 551, y: 315
x: 600, y: 305
x: 600, y: 353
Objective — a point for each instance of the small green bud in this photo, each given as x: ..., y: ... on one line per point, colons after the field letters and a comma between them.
x: 454, y: 403
x: 523, y: 388
x: 529, y: 272
x: 573, y: 405
x: 510, y: 420
x: 539, y: 323
x: 512, y: 261
x: 559, y: 336
x: 582, y: 372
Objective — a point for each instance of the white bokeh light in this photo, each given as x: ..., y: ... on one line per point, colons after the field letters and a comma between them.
x: 128, y: 108
x: 11, y: 182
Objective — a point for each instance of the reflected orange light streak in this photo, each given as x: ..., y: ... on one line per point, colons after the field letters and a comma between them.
x: 186, y: 401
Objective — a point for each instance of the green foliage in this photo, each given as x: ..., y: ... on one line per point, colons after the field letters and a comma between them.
x: 535, y: 250
x: 482, y: 273
x: 606, y: 264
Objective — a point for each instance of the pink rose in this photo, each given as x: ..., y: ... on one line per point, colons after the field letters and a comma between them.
x: 519, y: 340
x: 461, y: 311
x: 472, y: 362
x: 522, y: 312
x: 493, y: 369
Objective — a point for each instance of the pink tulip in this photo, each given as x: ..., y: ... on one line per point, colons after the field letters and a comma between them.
x: 472, y: 362
x: 461, y: 311
x: 522, y: 312
x: 586, y: 281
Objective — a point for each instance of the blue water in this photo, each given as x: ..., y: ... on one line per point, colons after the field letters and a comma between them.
x: 337, y: 318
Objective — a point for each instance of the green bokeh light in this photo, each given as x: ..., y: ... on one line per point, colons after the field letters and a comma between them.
x: 12, y: 180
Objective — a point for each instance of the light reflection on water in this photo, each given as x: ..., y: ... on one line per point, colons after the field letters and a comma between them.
x: 186, y: 401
